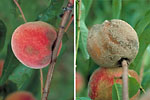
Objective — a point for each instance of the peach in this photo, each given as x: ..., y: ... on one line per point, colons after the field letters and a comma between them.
x: 32, y: 43
x: 79, y: 82
x: 1, y: 67
x: 20, y: 95
x: 102, y: 80
x: 111, y: 42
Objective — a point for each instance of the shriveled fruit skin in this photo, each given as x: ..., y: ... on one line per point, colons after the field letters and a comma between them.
x: 20, y: 95
x: 79, y: 82
x: 110, y: 42
x: 32, y: 43
x: 102, y: 80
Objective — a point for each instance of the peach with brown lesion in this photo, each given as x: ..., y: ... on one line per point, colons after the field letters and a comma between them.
x: 30, y: 50
x: 45, y: 60
x: 96, y: 50
x: 113, y: 39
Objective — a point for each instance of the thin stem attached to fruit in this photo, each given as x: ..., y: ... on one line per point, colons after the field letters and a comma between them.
x: 125, y: 80
x: 41, y: 78
x: 20, y: 11
x: 55, y: 50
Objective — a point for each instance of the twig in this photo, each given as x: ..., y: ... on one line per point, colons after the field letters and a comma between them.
x: 20, y: 11
x: 78, y: 28
x: 72, y: 17
x: 55, y: 50
x: 125, y: 80
x: 41, y: 78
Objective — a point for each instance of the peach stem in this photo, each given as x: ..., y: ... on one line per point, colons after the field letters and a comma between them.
x: 125, y: 80
x: 20, y: 11
x: 41, y: 78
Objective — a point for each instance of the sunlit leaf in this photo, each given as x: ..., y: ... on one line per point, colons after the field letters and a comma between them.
x: 134, y: 86
x: 116, y: 91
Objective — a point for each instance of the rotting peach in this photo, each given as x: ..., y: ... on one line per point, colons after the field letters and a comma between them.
x: 1, y: 66
x: 20, y: 95
x: 79, y: 82
x: 32, y: 43
x: 102, y: 80
x: 111, y: 42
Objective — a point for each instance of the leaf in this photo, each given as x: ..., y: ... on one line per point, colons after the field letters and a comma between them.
x: 87, y: 6
x: 52, y: 13
x: 134, y: 86
x: 83, y: 40
x: 83, y: 98
x: 141, y: 25
x: 20, y: 75
x: 2, y: 34
x: 83, y: 34
x: 116, y: 8
x: 144, y: 42
x: 146, y: 80
x: 10, y: 64
x: 7, y: 88
x: 116, y: 91
x: 33, y: 84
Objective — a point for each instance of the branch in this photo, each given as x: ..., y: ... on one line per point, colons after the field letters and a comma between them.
x: 125, y: 80
x: 55, y: 50
x: 20, y: 11
x: 72, y: 17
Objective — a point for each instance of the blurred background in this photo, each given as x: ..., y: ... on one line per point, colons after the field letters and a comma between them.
x: 17, y: 77
x: 134, y: 12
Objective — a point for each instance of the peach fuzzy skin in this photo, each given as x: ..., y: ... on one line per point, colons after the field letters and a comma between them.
x: 111, y: 41
x: 32, y: 43
x: 102, y: 80
x: 20, y: 95
x: 79, y: 82
x: 1, y: 67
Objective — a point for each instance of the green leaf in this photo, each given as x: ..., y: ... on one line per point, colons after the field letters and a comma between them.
x: 134, y: 86
x: 146, y: 80
x: 144, y: 42
x: 52, y: 13
x: 20, y: 75
x: 87, y: 6
x: 141, y: 25
x: 10, y: 64
x: 116, y: 91
x: 2, y: 34
x: 83, y: 34
x: 7, y: 88
x: 83, y: 98
x: 83, y: 40
x: 33, y: 84
x: 116, y: 8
